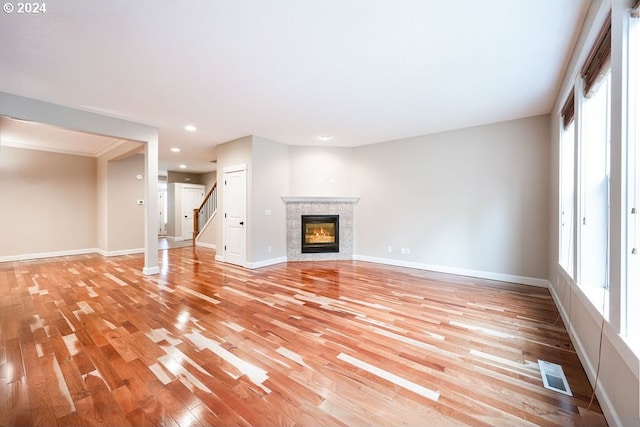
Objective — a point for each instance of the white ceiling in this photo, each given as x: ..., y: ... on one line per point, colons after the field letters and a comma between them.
x: 363, y: 71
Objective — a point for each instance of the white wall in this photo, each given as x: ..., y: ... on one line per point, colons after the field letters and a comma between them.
x: 48, y: 202
x: 270, y: 181
x: 473, y: 199
x: 320, y: 171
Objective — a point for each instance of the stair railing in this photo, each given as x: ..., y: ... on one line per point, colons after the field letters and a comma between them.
x: 206, y: 210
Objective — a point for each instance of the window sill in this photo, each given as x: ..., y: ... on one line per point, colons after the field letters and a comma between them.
x: 599, y: 297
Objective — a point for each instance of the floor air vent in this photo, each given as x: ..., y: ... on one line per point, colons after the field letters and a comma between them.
x: 553, y: 377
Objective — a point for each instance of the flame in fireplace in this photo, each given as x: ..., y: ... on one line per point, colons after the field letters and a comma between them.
x: 320, y: 232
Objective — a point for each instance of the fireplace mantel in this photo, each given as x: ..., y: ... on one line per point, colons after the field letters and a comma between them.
x: 320, y: 199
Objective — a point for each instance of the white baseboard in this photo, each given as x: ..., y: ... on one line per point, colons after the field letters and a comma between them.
x: 150, y: 271
x: 531, y: 281
x: 206, y: 245
x: 266, y: 262
x: 174, y: 238
x: 120, y: 252
x: 219, y: 258
x: 39, y: 255
x: 608, y: 408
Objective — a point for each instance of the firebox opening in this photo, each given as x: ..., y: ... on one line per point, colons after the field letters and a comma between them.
x: 320, y: 233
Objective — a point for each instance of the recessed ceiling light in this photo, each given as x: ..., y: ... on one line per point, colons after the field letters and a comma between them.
x: 190, y: 128
x: 183, y: 166
x: 175, y: 149
x: 325, y: 137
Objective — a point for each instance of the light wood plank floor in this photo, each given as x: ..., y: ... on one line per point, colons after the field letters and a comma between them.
x: 89, y: 341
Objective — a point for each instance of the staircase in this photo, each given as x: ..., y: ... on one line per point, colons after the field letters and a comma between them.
x: 206, y: 210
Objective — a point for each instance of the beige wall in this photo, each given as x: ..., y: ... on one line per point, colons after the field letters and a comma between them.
x: 124, y: 216
x: 208, y: 180
x: 174, y: 210
x: 473, y: 199
x: 102, y: 225
x: 190, y: 178
x: 270, y: 181
x: 48, y: 202
x: 209, y: 235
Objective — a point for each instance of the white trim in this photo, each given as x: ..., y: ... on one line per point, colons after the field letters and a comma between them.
x: 531, y: 281
x: 50, y: 149
x: 39, y: 255
x: 219, y: 258
x: 173, y: 238
x: 35, y: 147
x: 265, y: 263
x: 109, y: 147
x: 206, y: 245
x: 235, y: 168
x: 120, y: 252
x: 319, y: 199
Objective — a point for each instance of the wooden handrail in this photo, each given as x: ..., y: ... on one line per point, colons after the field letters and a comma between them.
x: 196, y: 212
x: 206, y: 197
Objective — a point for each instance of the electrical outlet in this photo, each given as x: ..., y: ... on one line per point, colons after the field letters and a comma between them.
x: 408, y: 251
x: 269, y: 249
x: 389, y: 249
x: 403, y: 251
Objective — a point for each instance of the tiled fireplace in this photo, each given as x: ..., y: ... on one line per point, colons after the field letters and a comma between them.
x: 321, y: 211
x: 320, y: 234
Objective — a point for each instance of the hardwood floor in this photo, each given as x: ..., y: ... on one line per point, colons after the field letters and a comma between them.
x: 89, y: 341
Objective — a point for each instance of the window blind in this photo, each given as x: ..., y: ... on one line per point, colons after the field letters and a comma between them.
x: 568, y: 110
x: 599, y: 60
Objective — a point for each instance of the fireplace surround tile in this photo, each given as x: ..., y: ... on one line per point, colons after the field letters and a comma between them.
x: 298, y: 206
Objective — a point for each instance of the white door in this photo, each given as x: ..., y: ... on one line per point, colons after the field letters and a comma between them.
x: 191, y: 199
x: 235, y: 212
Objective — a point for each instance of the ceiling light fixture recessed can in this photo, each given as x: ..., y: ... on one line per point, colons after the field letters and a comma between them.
x: 183, y: 166
x: 175, y: 149
x: 325, y: 137
x: 190, y: 128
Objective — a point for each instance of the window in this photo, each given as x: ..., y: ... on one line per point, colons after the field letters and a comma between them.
x: 567, y: 184
x: 594, y: 119
x: 594, y: 230
x: 631, y: 295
